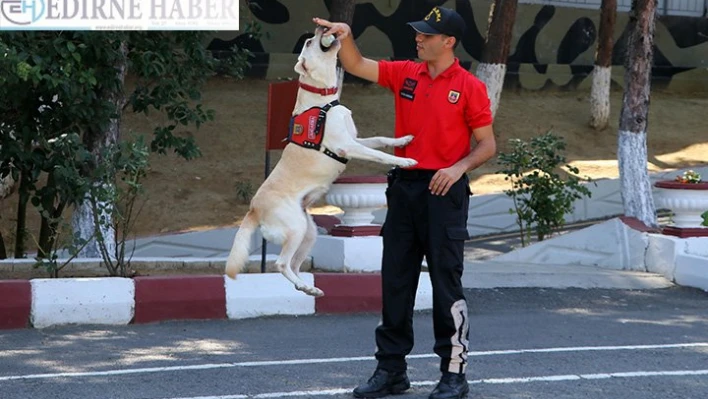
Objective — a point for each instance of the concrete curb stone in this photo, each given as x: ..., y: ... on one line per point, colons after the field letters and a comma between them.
x: 42, y: 303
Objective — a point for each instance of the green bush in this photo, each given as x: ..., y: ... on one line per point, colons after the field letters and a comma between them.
x: 542, y: 196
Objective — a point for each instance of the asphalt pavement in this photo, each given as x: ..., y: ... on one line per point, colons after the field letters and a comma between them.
x: 525, y: 343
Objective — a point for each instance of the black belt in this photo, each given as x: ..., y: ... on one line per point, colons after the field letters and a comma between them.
x: 415, y: 174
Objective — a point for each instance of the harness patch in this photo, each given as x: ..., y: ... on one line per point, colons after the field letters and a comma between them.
x: 306, y: 122
x: 307, y: 129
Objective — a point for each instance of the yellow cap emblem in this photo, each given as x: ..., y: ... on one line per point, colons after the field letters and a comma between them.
x: 436, y: 12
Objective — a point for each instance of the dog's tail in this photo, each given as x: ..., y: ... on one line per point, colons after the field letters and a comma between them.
x: 242, y: 245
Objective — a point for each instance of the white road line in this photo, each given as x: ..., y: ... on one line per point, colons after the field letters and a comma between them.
x: 210, y: 366
x: 519, y: 380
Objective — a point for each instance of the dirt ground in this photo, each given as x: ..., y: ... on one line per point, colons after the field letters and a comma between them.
x: 203, y: 193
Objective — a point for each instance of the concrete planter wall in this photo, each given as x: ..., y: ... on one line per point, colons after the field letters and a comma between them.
x: 621, y: 244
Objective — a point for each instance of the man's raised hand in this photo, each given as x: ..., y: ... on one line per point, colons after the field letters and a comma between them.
x: 339, y: 29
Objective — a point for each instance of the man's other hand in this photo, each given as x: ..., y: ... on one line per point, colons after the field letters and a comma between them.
x: 444, y: 179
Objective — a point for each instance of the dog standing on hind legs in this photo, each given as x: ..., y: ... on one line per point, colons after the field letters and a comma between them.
x: 322, y: 139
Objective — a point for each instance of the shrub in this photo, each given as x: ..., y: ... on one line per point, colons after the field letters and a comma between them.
x: 542, y: 197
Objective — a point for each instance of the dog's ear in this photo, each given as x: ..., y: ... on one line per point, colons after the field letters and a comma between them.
x: 298, y: 66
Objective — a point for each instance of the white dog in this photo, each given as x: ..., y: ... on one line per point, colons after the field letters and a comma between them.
x: 309, y: 164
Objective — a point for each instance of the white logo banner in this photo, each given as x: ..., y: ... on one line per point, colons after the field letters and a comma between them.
x: 119, y: 15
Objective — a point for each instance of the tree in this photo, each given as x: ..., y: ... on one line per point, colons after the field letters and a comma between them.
x: 62, y: 101
x: 632, y: 143
x: 602, y: 72
x: 492, y: 67
x: 39, y: 128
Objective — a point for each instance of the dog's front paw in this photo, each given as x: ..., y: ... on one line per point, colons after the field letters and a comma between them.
x: 407, y: 162
x: 404, y: 141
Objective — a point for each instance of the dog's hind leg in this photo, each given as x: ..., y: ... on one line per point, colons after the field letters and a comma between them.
x: 307, y: 243
x: 295, y: 234
x: 286, y: 260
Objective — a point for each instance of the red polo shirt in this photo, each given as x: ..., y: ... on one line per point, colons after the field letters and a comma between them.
x: 441, y: 113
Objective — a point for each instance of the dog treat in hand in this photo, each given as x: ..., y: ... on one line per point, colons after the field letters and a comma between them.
x: 327, y: 40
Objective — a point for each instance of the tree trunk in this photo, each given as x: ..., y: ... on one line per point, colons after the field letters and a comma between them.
x: 83, y: 220
x: 492, y: 67
x: 634, y: 177
x: 49, y: 222
x: 342, y: 11
x: 7, y: 185
x: 3, y: 250
x: 45, y: 231
x: 602, y: 72
x: 84, y: 227
x: 21, y: 227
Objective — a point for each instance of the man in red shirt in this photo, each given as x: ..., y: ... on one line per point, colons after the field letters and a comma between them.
x: 442, y: 105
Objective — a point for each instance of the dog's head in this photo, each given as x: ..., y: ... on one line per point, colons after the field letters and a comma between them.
x: 317, y: 65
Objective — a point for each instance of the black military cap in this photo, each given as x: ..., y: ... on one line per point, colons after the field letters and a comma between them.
x: 441, y: 20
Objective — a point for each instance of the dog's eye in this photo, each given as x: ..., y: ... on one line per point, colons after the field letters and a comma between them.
x: 308, y: 42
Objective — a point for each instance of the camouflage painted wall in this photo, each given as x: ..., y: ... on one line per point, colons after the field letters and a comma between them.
x: 552, y: 47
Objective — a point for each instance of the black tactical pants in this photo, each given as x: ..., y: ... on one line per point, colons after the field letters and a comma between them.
x: 419, y: 224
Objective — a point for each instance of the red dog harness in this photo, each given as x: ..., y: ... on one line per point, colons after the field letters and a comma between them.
x: 307, y: 130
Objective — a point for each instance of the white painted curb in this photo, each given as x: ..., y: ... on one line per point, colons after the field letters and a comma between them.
x: 82, y: 301
x: 254, y: 295
x: 697, y: 246
x: 682, y: 260
x: 661, y: 255
x: 348, y: 254
x: 692, y: 271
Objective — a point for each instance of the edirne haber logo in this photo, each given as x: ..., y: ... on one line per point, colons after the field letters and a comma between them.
x: 119, y: 14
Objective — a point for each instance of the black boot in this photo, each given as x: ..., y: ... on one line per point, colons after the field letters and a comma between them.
x: 451, y: 386
x: 383, y: 383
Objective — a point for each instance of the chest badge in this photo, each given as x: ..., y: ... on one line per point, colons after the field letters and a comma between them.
x: 453, y: 96
x: 408, y: 89
x: 410, y: 84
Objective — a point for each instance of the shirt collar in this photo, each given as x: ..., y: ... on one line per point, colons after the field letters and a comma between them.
x: 451, y: 70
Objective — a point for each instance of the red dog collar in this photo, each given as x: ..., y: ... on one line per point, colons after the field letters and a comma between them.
x: 324, y: 92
